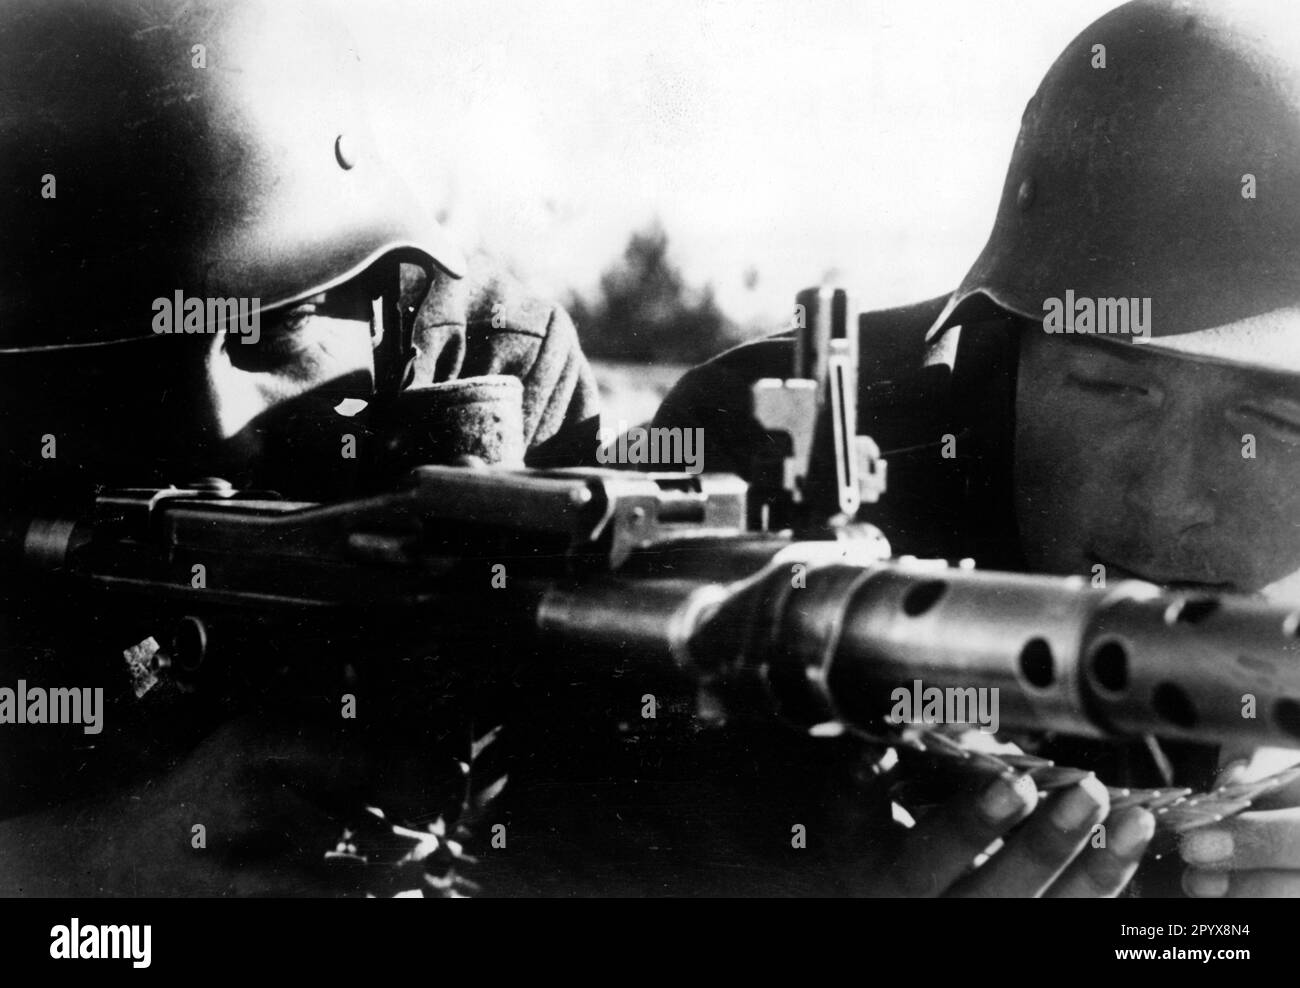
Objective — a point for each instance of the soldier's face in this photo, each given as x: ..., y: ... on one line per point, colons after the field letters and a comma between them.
x: 1156, y: 466
x: 173, y: 408
x: 275, y: 399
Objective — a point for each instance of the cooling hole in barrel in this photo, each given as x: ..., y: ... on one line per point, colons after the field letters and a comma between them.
x: 923, y: 596
x: 1110, y: 666
x: 1174, y: 705
x: 1037, y: 664
x: 1287, y: 715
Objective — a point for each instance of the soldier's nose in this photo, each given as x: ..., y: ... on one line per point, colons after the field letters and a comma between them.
x: 1169, y: 486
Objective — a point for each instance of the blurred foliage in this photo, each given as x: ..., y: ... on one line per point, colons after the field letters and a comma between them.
x: 644, y: 311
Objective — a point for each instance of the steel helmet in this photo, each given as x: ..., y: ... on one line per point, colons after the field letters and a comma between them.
x: 1160, y: 159
x: 216, y: 147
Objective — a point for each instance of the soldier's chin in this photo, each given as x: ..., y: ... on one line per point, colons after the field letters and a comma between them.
x: 1173, y: 580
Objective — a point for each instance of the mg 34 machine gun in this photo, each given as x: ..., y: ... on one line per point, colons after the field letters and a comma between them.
x: 771, y: 596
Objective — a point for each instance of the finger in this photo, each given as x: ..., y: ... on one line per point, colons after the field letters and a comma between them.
x: 1257, y: 764
x: 943, y: 846
x: 1260, y: 839
x: 1041, y: 850
x: 1269, y: 884
x: 1102, y: 872
x: 1243, y: 765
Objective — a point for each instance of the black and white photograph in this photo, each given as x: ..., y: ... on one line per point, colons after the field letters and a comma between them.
x: 730, y: 449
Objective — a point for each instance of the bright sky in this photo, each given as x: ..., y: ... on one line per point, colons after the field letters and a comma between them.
x: 868, y: 138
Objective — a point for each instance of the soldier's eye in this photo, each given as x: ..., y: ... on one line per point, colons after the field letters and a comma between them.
x: 1284, y: 424
x: 1101, y: 384
x: 285, y: 339
x: 292, y: 327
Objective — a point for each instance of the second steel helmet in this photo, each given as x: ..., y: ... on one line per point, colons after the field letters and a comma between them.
x: 217, y: 148
x: 1160, y: 159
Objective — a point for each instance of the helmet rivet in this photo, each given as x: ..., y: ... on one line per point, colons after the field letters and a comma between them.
x: 1025, y: 196
x: 343, y: 152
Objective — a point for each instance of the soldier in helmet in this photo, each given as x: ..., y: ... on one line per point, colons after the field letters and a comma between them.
x: 209, y: 272
x: 1112, y: 392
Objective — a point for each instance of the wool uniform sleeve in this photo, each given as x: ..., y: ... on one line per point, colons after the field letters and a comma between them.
x: 488, y: 326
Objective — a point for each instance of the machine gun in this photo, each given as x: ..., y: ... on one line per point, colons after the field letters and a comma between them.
x: 771, y: 593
